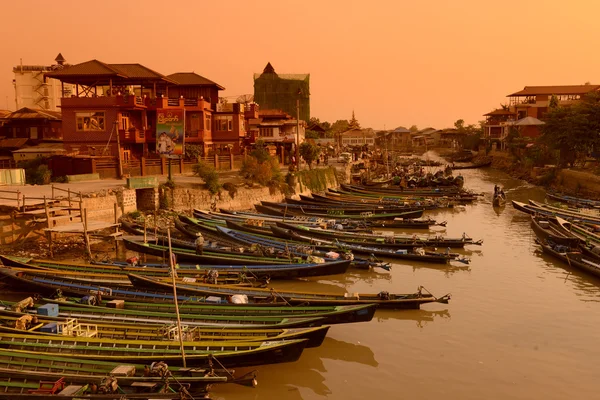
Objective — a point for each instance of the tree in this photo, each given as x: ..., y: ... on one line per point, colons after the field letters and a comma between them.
x: 209, y: 175
x: 309, y: 152
x: 413, y: 129
x: 573, y: 130
x: 459, y: 124
x: 341, y: 125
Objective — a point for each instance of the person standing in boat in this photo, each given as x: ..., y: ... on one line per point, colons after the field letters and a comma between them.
x: 199, y: 243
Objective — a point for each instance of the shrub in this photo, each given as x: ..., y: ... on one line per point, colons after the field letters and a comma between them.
x: 231, y: 189
x: 209, y: 175
x: 36, y: 171
x: 309, y: 152
x: 262, y: 173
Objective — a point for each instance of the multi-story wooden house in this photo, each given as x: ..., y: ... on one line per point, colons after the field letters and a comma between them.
x: 124, y: 100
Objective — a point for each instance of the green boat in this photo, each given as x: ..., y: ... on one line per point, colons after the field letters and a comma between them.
x: 136, y: 331
x: 258, y: 295
x: 197, y: 354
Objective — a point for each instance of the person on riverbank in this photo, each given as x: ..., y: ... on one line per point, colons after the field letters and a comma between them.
x: 199, y: 244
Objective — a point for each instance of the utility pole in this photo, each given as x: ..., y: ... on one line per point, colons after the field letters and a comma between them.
x: 298, y: 128
x: 119, y: 160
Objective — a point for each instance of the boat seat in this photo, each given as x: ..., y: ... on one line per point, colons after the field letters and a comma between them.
x: 70, y: 390
x: 49, y: 387
x: 145, y: 387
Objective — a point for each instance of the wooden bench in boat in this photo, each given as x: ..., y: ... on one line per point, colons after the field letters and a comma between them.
x: 70, y: 390
x: 49, y: 387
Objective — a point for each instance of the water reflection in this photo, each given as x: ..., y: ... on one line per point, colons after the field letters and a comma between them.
x: 339, y: 350
x: 421, y: 317
x: 586, y: 285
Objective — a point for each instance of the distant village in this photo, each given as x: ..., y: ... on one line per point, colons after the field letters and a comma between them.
x: 84, y: 116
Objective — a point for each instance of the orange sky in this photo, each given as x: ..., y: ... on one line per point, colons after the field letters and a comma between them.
x: 395, y: 62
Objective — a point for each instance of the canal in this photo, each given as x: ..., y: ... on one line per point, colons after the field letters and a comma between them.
x: 520, y: 325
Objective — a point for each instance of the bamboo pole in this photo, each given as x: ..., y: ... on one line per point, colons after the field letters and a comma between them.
x: 172, y: 267
x: 86, y: 238
x: 47, y: 213
x: 145, y: 234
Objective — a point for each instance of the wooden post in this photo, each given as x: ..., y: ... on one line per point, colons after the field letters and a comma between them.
x: 86, y: 238
x: 181, y: 166
x: 23, y: 203
x: 49, y: 237
x: 230, y: 160
x: 173, y: 274
x: 216, y: 161
x: 52, y: 186
x: 69, y: 201
x: 145, y: 234
x: 47, y: 213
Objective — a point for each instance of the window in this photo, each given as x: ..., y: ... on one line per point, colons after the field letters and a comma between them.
x: 224, y: 122
x: 124, y: 121
x: 33, y: 132
x: 207, y: 122
x: 90, y: 121
x: 265, y: 132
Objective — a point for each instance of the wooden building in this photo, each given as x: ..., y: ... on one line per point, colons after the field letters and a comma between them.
x: 125, y: 100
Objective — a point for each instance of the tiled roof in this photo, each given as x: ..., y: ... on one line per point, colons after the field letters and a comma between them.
x: 291, y: 77
x: 95, y: 68
x: 88, y: 68
x: 192, y: 79
x: 557, y: 90
x: 499, y: 111
x: 400, y: 129
x: 33, y: 113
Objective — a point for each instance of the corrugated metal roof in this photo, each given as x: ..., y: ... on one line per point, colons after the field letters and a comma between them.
x: 192, y: 79
x: 40, y: 149
x: 12, y: 143
x: 557, y: 90
x: 33, y: 113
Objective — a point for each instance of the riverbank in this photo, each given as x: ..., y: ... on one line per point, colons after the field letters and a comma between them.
x: 575, y: 182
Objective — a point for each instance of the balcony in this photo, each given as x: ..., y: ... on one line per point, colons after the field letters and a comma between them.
x: 130, y: 102
x: 133, y: 135
x: 104, y: 101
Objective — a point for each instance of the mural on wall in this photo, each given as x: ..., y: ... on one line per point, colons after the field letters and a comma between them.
x: 170, y: 132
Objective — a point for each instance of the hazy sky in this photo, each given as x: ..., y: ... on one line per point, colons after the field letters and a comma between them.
x: 394, y: 62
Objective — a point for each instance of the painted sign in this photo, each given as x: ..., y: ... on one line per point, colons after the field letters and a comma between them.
x: 170, y: 128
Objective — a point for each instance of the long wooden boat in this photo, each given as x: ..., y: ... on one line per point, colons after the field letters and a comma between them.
x: 294, y: 248
x: 384, y: 241
x: 575, y: 201
x: 573, y: 258
x: 16, y: 361
x: 382, y: 299
x: 546, y: 228
x: 533, y: 209
x: 402, y: 254
x: 207, y: 257
x: 575, y: 213
x: 50, y: 286
x: 257, y: 272
x: 193, y: 313
x: 337, y: 213
x: 499, y: 200
x: 197, y: 354
x: 80, y: 385
x: 472, y: 166
x: 136, y: 331
x: 348, y: 208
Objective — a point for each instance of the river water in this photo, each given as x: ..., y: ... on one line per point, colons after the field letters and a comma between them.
x: 520, y: 325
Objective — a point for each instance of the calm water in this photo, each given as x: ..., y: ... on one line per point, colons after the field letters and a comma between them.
x: 519, y: 326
